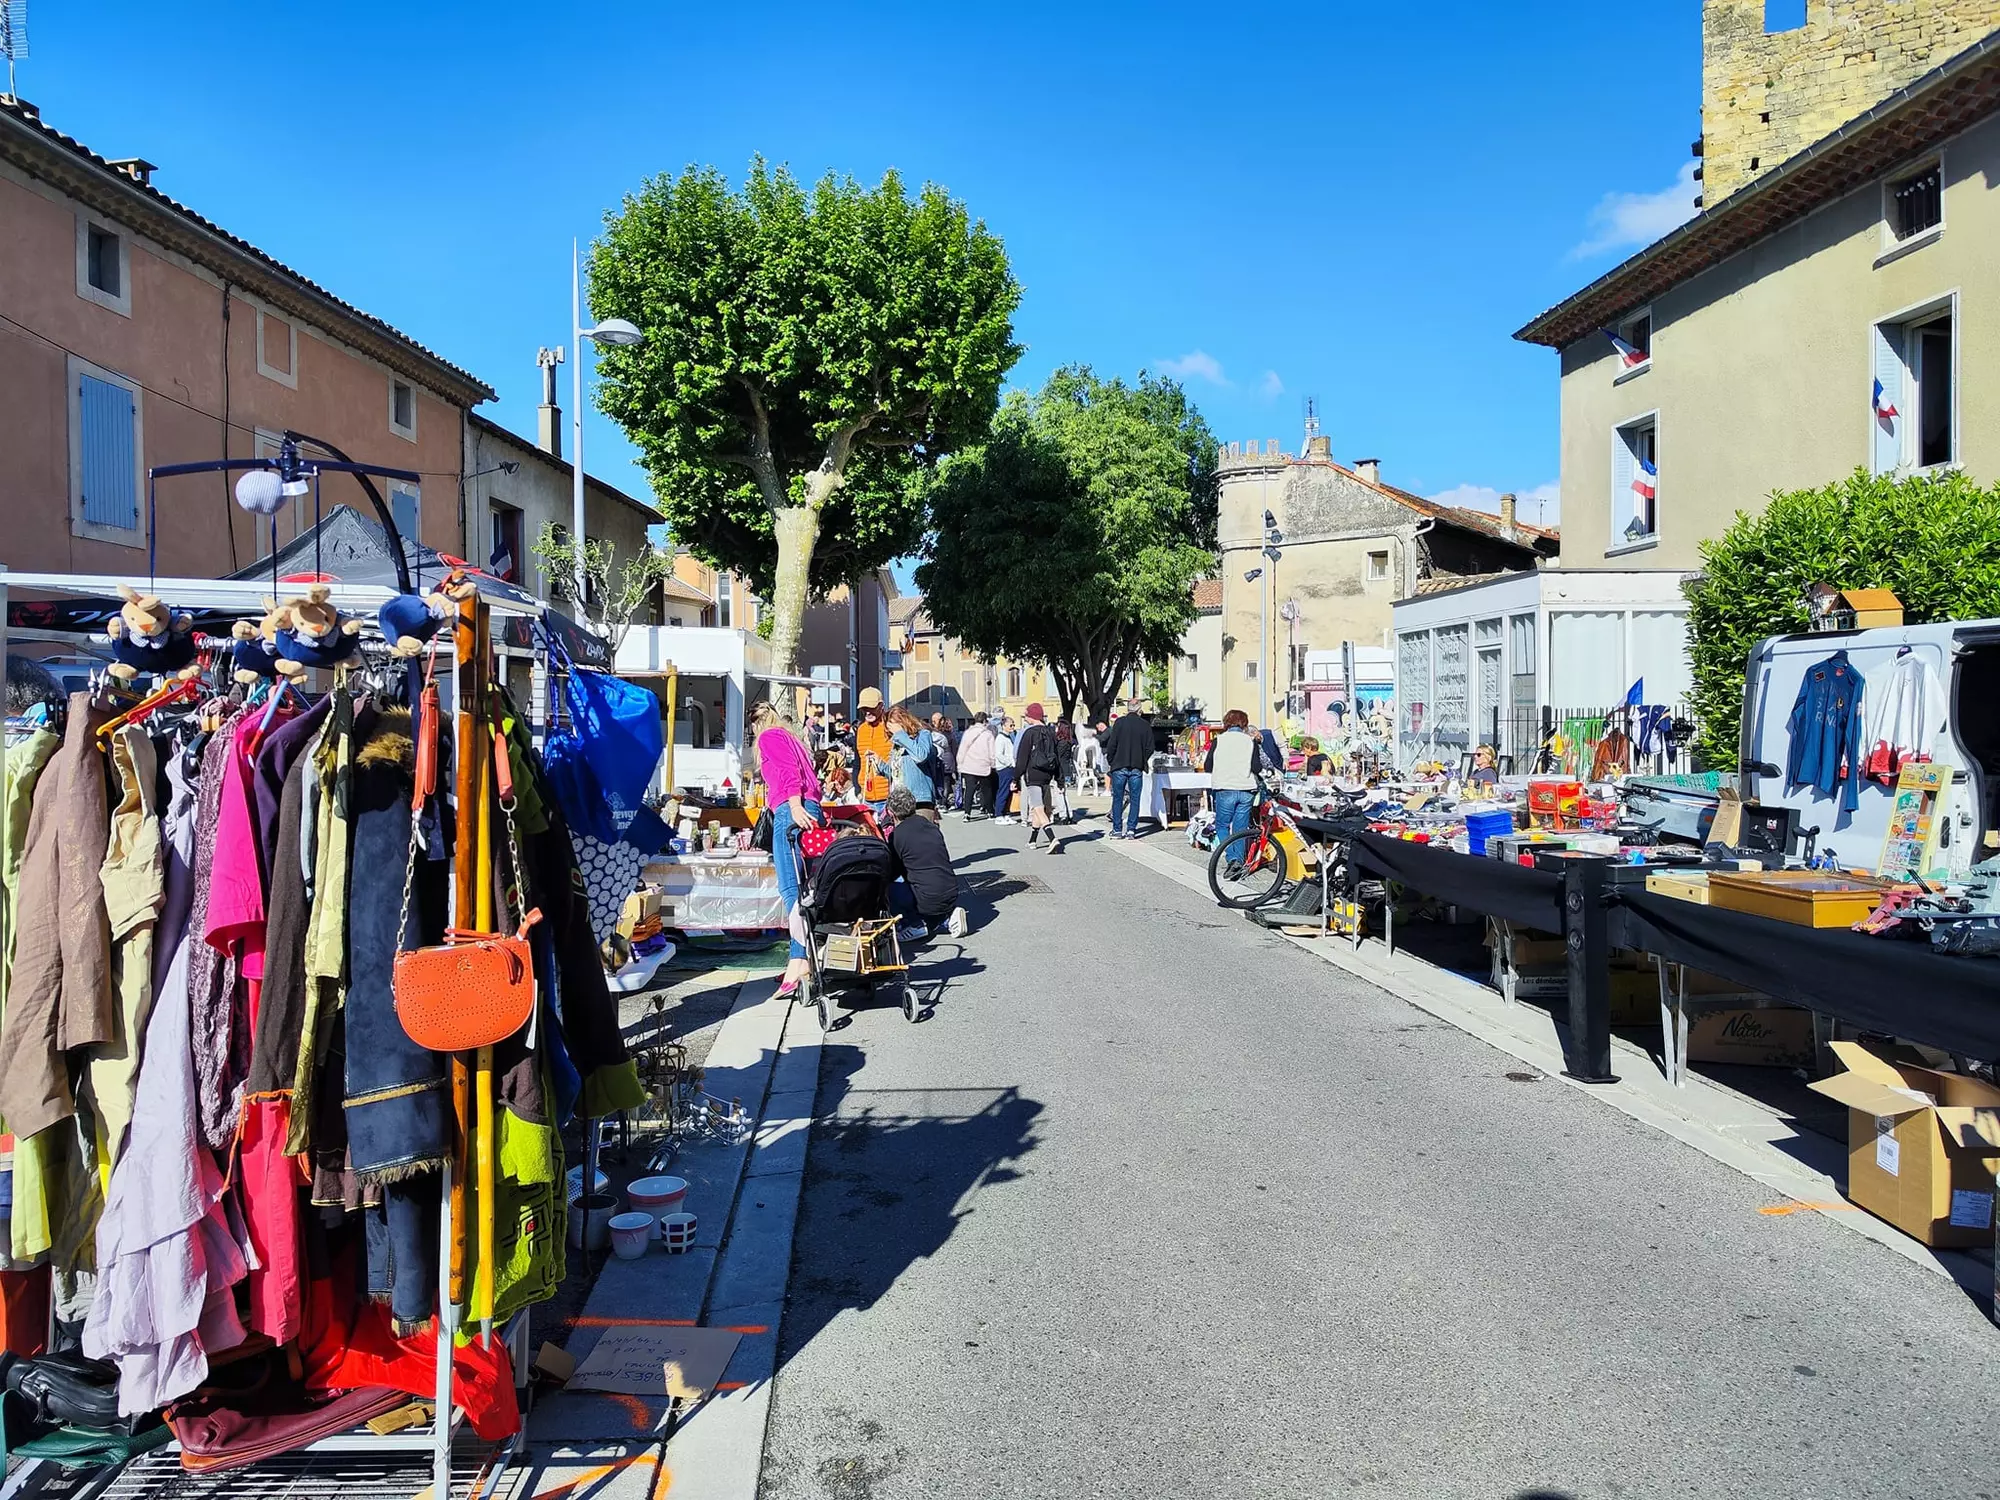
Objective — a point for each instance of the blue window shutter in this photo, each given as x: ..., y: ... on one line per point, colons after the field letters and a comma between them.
x: 1886, y: 448
x: 110, y: 474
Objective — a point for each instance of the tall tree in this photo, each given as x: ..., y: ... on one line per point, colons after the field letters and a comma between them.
x: 1073, y: 536
x: 809, y: 354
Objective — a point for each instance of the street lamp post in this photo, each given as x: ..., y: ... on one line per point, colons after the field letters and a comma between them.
x: 1272, y: 536
x: 1263, y: 647
x: 610, y: 331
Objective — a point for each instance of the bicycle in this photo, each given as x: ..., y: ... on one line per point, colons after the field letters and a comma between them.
x: 1271, y: 855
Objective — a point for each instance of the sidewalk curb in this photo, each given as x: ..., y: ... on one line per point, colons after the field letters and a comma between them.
x: 1723, y: 1125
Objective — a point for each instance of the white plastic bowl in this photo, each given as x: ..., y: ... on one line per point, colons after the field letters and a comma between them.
x: 630, y: 1234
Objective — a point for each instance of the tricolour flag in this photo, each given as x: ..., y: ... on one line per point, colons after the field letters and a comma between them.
x: 1885, y: 413
x: 501, y: 563
x: 1630, y: 354
x: 1644, y: 483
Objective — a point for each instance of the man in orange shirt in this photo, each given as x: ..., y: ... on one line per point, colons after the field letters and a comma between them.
x: 871, y: 742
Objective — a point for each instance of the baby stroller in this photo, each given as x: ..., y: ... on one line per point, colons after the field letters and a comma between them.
x: 850, y: 928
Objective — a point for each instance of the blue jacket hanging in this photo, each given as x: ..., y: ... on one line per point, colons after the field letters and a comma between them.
x: 1825, y: 731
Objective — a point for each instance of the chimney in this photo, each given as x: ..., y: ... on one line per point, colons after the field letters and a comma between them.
x: 1319, y: 446
x: 1369, y: 469
x: 548, y: 416
x: 1507, y: 511
x: 135, y: 167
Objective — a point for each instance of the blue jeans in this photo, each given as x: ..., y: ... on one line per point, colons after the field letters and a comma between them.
x: 1125, y: 799
x: 785, y: 855
x: 1003, y: 790
x: 1232, y: 813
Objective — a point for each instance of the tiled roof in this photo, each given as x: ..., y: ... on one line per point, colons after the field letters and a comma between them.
x: 561, y: 465
x: 1444, y: 583
x: 48, y: 154
x: 1208, y: 596
x: 687, y: 593
x: 903, y: 606
x: 1945, y: 101
x: 1534, y: 538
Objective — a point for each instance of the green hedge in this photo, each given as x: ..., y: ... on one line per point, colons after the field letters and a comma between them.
x: 1935, y: 541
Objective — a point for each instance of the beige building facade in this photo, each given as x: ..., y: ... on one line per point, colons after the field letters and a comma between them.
x: 1763, y: 327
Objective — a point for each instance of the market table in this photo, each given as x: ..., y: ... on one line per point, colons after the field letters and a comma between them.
x: 1884, y: 984
x: 1155, y: 785
x: 711, y: 895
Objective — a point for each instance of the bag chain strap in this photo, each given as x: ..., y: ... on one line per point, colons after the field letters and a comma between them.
x: 417, y: 805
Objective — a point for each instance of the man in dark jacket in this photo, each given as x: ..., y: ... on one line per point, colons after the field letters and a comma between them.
x: 1128, y: 750
x: 927, y: 893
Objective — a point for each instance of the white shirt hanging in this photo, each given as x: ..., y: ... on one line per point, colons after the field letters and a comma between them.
x: 1904, y: 717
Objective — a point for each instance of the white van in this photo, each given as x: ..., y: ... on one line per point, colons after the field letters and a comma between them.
x: 1963, y: 662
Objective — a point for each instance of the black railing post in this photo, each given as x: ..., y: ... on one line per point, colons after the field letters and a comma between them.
x: 1587, y: 945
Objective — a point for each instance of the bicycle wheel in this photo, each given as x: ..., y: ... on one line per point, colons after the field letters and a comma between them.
x: 1262, y: 880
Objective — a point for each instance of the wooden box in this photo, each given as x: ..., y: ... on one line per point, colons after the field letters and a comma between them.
x: 1682, y: 885
x: 1805, y: 898
x: 871, y: 948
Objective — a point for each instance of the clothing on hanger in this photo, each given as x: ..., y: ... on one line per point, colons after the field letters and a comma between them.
x: 1903, y: 718
x: 1825, y: 731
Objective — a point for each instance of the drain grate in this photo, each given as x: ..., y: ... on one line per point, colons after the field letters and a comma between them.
x: 158, y: 1475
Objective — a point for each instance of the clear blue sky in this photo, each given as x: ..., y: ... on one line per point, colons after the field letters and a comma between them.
x: 1359, y: 204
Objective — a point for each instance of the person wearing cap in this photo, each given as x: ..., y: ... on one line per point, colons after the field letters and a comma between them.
x: 873, y: 744
x: 1038, y: 764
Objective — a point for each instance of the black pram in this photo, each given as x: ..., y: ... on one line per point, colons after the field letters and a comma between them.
x: 850, y: 928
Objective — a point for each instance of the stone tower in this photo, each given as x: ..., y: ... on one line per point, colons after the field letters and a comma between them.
x: 1766, y: 96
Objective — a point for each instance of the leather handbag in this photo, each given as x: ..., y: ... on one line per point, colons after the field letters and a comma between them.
x: 65, y: 1390
x: 224, y: 1433
x: 475, y: 988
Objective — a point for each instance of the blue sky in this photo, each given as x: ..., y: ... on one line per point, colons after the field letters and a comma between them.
x: 1355, y: 203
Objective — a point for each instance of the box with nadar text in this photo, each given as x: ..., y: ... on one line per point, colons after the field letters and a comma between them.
x: 1917, y: 1149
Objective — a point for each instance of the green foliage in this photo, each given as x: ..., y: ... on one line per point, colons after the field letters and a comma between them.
x: 613, y: 597
x: 804, y: 347
x: 1935, y: 540
x: 1074, y: 534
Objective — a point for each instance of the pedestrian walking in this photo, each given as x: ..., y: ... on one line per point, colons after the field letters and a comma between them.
x: 945, y: 743
x: 1038, y: 764
x: 787, y: 768
x: 976, y: 752
x: 1128, y: 749
x: 1004, y: 773
x: 927, y: 894
x: 876, y: 772
x: 915, y: 760
x: 1235, y: 765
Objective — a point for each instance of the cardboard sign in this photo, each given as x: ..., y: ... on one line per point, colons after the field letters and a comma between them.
x: 684, y: 1363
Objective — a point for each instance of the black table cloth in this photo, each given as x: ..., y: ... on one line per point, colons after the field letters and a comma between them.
x: 1516, y: 893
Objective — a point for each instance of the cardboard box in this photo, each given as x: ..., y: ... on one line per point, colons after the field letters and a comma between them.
x: 1773, y: 1038
x: 1917, y: 1153
x: 1872, y: 607
x: 1526, y: 946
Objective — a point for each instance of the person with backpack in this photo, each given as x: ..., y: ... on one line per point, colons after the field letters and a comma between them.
x: 913, y: 749
x: 946, y: 745
x: 1038, y: 764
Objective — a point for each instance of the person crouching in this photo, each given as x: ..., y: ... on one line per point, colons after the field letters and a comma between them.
x: 927, y: 894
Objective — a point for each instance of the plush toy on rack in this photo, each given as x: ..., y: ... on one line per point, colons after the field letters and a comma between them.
x: 254, y: 657
x: 315, y: 633
x: 410, y: 620
x: 149, y: 636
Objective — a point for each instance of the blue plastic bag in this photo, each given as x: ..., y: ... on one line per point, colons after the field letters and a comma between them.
x: 601, y: 761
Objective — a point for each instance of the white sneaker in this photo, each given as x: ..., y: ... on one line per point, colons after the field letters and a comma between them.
x: 956, y: 924
x: 1003, y: 818
x: 1055, y: 845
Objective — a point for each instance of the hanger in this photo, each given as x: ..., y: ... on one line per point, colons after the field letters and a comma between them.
x: 179, y: 690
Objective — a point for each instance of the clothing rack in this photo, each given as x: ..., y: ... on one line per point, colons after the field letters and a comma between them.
x: 361, y: 601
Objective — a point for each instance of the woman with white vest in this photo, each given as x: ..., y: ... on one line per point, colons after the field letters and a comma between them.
x: 1235, y: 764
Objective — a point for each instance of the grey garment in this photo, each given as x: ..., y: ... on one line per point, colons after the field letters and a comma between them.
x: 213, y: 977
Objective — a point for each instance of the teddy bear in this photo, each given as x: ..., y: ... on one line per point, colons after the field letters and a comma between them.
x: 255, y: 653
x: 408, y: 621
x: 314, y: 633
x: 149, y: 636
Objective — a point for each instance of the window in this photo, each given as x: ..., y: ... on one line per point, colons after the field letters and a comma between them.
x: 968, y: 685
x: 504, y: 557
x: 1635, y: 344
x: 406, y: 509
x: 104, y: 455
x: 923, y: 651
x: 1191, y: 663
x: 1013, y: 682
x: 921, y: 681
x: 725, y: 599
x: 403, y: 409
x: 277, y: 349
x: 1378, y: 567
x: 1296, y: 655
x: 1521, y: 642
x: 1250, y: 670
x: 1916, y: 203
x: 1913, y: 412
x: 1635, y: 483
x: 103, y: 266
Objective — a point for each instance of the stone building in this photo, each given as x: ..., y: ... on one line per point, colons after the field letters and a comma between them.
x: 1350, y: 546
x: 1767, y: 95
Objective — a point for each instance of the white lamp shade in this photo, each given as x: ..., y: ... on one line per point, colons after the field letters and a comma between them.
x: 616, y: 331
x: 260, y: 492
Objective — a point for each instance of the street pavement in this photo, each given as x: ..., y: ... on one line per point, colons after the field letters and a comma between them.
x: 1157, y: 1204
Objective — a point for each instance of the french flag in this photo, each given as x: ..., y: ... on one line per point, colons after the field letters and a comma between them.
x: 501, y: 563
x: 1628, y: 353
x: 1882, y: 413
x: 1644, y: 482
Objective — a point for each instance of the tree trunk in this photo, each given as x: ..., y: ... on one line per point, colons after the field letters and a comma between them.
x: 797, y: 527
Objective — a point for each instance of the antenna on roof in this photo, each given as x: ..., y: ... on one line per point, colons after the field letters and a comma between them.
x: 1312, y: 424
x: 13, y: 36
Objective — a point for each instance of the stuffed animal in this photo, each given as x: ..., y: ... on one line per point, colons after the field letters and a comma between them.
x: 409, y: 620
x: 255, y: 654
x: 149, y: 636
x: 314, y: 633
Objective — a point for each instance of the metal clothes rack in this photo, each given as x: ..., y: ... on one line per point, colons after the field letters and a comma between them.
x: 361, y: 601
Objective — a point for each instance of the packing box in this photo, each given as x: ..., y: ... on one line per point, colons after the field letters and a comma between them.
x: 1918, y: 1155
x: 1772, y: 1038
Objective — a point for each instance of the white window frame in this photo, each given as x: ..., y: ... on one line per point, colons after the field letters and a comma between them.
x: 1623, y: 331
x: 1892, y: 247
x: 1615, y: 536
x: 1909, y: 411
x: 409, y: 433
x: 123, y: 536
x: 725, y: 600
x: 288, y: 377
x: 122, y: 303
x: 1368, y: 574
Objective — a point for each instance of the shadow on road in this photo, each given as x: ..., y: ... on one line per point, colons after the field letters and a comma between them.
x: 889, y: 1175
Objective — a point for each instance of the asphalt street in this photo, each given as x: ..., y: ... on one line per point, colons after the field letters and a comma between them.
x: 1155, y: 1204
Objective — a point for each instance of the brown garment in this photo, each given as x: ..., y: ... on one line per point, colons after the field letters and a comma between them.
x: 1614, y: 756
x: 60, y: 993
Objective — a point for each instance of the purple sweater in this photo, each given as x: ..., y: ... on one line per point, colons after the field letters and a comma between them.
x: 786, y: 766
